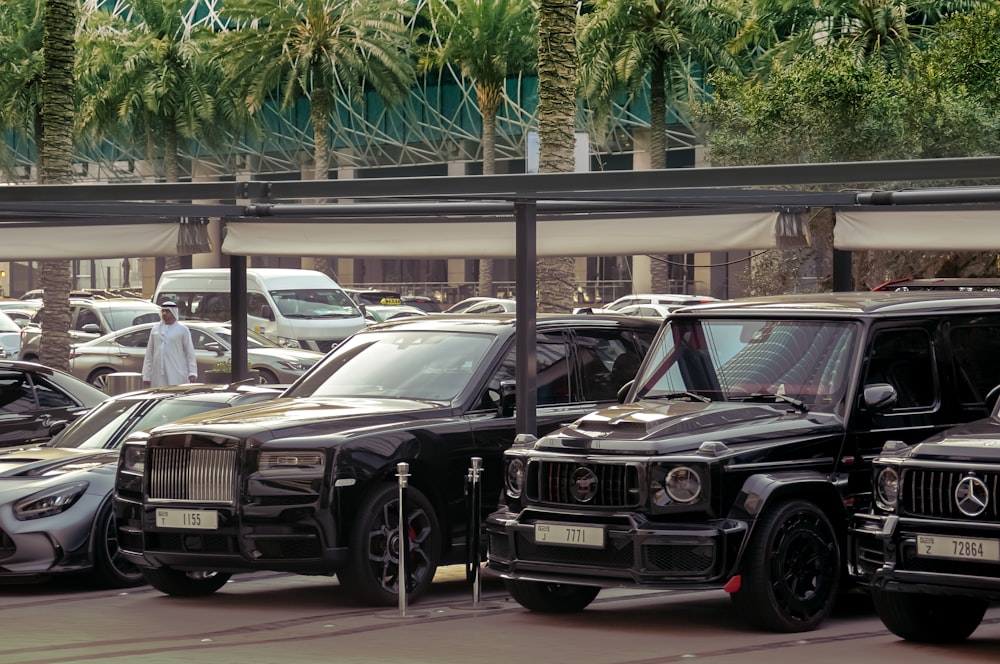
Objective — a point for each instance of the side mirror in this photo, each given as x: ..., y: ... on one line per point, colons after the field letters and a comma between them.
x: 57, y: 426
x: 215, y: 347
x: 265, y: 312
x: 91, y: 328
x: 508, y: 398
x: 879, y: 397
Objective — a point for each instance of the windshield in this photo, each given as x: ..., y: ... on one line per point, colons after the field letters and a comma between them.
x: 107, y: 425
x: 8, y: 325
x: 254, y: 340
x: 314, y: 303
x: 734, y: 360
x: 121, y: 317
x: 411, y: 364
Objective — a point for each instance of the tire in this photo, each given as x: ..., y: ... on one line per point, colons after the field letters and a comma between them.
x: 99, y: 378
x: 111, y: 568
x: 267, y: 377
x: 790, y: 570
x: 180, y: 583
x: 371, y: 575
x: 551, y: 597
x: 929, y: 618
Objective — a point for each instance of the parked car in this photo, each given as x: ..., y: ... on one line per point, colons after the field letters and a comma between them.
x: 379, y: 313
x: 493, y: 305
x: 929, y: 546
x: 423, y: 302
x: 36, y: 401
x: 90, y: 318
x: 21, y: 317
x: 741, y: 451
x: 55, y: 500
x: 648, y: 310
x: 460, y: 306
x: 670, y: 299
x: 366, y: 296
x: 10, y: 337
x: 317, y: 467
x: 125, y: 350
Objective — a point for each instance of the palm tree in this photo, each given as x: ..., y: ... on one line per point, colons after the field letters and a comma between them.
x: 55, y: 157
x: 21, y: 66
x: 488, y: 40
x: 667, y: 45
x: 320, y: 50
x: 148, y: 78
x: 556, y: 131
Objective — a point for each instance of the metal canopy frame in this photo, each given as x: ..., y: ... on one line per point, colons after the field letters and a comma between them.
x: 529, y: 198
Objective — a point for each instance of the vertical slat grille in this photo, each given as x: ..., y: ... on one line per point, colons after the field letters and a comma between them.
x: 931, y: 493
x: 551, y: 482
x: 192, y: 474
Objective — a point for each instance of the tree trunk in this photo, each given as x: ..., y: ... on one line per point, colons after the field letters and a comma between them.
x: 488, y: 97
x: 659, y: 265
x: 319, y: 115
x: 171, y: 173
x: 55, y: 158
x: 556, y: 137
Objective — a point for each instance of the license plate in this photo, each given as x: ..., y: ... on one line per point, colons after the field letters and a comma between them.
x: 958, y: 548
x: 191, y: 519
x: 569, y: 535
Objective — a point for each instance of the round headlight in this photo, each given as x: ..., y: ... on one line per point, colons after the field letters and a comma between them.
x: 515, y: 477
x: 887, y: 488
x: 683, y: 484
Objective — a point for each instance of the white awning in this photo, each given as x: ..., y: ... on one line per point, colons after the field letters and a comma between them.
x: 581, y: 236
x: 88, y: 241
x: 954, y: 229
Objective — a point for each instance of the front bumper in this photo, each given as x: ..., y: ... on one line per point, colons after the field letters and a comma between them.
x: 294, y: 540
x: 883, y: 552
x: 637, y: 552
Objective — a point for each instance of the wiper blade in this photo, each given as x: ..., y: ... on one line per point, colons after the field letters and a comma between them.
x: 692, y: 396
x: 777, y: 396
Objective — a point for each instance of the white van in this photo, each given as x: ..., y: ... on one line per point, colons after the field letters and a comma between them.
x: 295, y: 308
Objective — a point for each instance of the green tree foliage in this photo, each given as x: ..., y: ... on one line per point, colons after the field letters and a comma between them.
x: 489, y: 41
x: 21, y: 67
x: 319, y: 50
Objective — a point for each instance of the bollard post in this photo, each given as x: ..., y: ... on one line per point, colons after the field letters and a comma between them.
x: 474, y: 527
x: 403, y: 473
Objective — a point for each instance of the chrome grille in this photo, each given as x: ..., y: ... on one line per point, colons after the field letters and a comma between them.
x: 192, y: 474
x: 931, y: 493
x: 551, y: 482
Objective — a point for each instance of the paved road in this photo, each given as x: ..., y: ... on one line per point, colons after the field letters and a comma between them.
x: 281, y: 619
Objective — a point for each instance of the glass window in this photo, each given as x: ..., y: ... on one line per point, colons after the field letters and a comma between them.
x: 15, y: 393
x: 49, y: 395
x: 553, y: 370
x: 137, y: 339
x: 976, y: 349
x: 903, y: 359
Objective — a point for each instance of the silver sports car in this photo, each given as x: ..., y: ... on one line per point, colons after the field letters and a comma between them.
x: 55, y: 500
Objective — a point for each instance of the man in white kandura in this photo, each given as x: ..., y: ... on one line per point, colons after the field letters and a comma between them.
x: 169, y: 356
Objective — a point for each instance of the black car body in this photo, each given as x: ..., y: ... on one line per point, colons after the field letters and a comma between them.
x: 36, y: 401
x: 741, y: 451
x: 930, y: 544
x: 308, y: 483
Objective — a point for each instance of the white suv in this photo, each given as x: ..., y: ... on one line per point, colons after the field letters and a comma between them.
x: 90, y: 319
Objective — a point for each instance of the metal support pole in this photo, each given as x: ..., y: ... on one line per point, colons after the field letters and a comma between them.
x: 403, y: 473
x: 475, y: 504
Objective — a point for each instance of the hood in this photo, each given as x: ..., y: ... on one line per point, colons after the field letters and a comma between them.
x: 670, y: 427
x: 306, y: 416
x: 974, y: 441
x: 42, y: 461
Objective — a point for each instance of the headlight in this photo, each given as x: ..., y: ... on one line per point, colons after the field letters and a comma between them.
x: 515, y: 477
x: 887, y: 488
x: 134, y: 458
x: 297, y: 460
x: 49, y: 502
x: 681, y: 485
x: 288, y: 343
x: 292, y: 366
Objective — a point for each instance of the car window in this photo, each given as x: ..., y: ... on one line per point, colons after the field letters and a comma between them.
x: 553, y: 367
x: 608, y: 360
x: 86, y: 317
x: 137, y: 339
x: 976, y: 350
x: 903, y: 359
x: 97, y: 427
x: 200, y: 339
x: 16, y: 395
x: 49, y: 395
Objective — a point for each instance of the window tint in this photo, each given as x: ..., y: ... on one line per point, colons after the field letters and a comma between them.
x: 903, y: 359
x: 976, y: 350
x: 553, y: 367
x: 137, y: 339
x: 608, y: 360
x: 49, y: 395
x: 15, y: 393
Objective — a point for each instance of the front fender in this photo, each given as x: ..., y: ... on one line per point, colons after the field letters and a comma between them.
x: 761, y: 492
